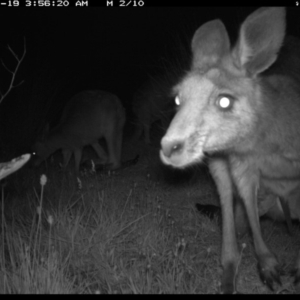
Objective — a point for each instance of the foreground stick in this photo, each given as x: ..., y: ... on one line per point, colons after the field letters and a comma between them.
x: 12, y: 166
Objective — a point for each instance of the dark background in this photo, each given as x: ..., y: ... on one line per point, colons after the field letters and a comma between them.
x: 115, y: 49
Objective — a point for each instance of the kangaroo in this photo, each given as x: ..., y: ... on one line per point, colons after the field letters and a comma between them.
x: 152, y: 103
x: 87, y: 117
x: 241, y: 105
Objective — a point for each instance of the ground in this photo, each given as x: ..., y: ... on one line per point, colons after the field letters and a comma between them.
x: 133, y: 230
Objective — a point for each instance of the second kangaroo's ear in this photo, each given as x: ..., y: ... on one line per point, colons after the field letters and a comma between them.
x: 260, y: 39
x: 209, y: 44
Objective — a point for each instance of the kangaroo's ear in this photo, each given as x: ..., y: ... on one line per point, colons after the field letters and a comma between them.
x: 260, y: 39
x: 209, y: 44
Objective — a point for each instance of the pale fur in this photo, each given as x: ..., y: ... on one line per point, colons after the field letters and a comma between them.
x: 253, y: 136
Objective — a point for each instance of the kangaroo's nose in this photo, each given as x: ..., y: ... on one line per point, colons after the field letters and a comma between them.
x: 170, y: 148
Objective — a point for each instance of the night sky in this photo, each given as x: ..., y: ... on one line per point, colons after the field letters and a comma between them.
x: 113, y: 49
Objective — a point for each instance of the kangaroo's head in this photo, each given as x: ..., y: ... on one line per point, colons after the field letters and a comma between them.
x: 221, y: 100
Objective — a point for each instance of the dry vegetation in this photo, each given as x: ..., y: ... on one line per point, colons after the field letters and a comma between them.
x: 135, y: 231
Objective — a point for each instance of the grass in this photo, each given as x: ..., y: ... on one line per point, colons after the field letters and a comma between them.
x: 122, y: 233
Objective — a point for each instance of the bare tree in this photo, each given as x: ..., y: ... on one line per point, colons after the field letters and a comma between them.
x: 11, y: 166
x: 13, y: 72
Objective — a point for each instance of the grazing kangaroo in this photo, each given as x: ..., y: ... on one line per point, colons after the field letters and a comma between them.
x: 152, y: 103
x: 242, y: 106
x: 89, y: 116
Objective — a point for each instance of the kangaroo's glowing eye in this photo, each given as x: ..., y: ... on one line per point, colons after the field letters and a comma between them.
x: 225, y: 102
x: 177, y: 101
